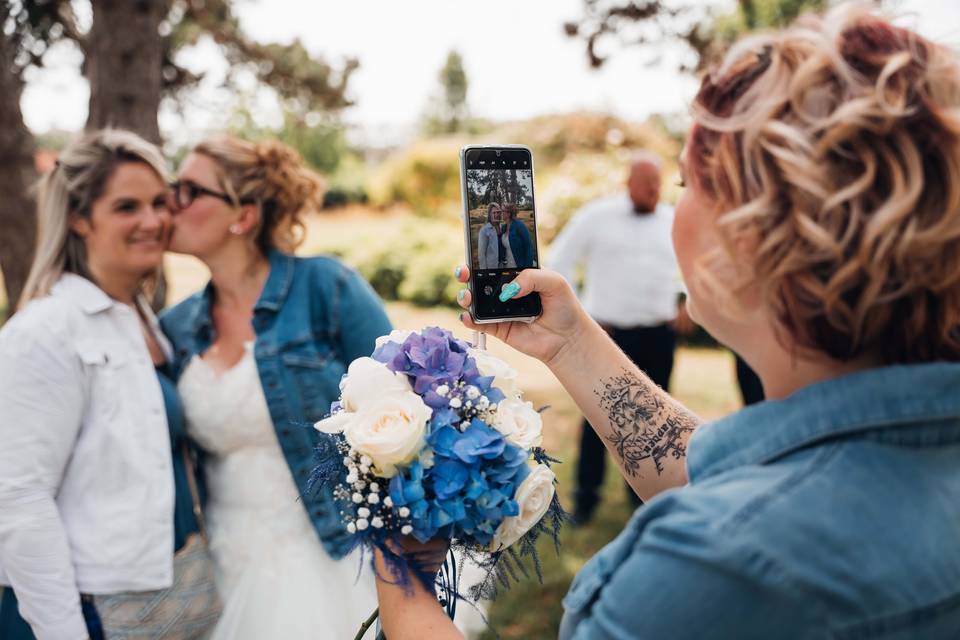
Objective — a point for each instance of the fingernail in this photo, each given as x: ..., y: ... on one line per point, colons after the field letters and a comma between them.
x: 457, y: 271
x: 509, y: 291
x: 461, y: 294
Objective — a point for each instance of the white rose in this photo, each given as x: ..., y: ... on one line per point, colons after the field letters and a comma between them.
x: 397, y: 335
x: 367, y: 381
x: 335, y: 423
x: 504, y: 376
x: 534, y: 496
x: 390, y: 430
x: 519, y: 423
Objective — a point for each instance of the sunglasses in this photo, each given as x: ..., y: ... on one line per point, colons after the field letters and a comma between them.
x: 184, y: 193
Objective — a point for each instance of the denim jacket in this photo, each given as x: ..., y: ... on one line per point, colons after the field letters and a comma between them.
x: 313, y: 318
x: 521, y: 245
x: 834, y: 513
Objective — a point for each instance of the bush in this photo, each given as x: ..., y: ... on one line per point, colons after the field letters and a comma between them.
x: 578, y: 157
x: 409, y: 259
x: 347, y: 185
x: 338, y: 195
x: 424, y: 176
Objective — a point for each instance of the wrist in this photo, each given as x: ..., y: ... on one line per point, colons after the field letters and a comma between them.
x: 577, y: 345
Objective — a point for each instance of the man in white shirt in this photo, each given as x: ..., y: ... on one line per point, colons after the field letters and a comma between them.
x: 631, y: 286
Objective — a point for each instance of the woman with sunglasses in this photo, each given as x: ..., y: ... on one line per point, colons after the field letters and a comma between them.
x: 261, y: 351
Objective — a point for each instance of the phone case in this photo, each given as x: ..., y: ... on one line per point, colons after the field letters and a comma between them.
x: 464, y: 206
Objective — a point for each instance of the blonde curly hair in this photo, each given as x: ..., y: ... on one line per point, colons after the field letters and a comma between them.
x: 275, y: 178
x: 833, y: 149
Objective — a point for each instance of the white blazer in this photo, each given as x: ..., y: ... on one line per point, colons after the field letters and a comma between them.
x: 86, y: 480
x: 487, y: 251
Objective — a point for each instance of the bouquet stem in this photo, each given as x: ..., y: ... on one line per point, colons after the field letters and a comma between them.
x: 367, y: 624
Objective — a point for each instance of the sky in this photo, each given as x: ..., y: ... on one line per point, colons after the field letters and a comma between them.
x: 519, y: 63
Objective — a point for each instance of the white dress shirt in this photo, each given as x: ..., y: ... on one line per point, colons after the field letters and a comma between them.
x: 630, y: 273
x: 86, y: 482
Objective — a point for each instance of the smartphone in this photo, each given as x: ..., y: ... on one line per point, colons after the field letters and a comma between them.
x: 500, y: 224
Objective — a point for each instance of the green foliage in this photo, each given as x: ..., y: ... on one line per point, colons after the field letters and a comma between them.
x: 321, y: 141
x: 760, y: 14
x: 749, y: 15
x: 348, y: 184
x: 33, y: 28
x: 578, y: 157
x: 305, y: 83
x: 406, y: 258
x: 449, y: 112
x: 54, y: 139
x: 425, y: 176
x: 651, y: 25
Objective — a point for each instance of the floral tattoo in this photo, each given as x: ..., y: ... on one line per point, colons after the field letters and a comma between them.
x: 645, y: 426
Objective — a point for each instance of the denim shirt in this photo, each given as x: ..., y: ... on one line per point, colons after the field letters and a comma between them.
x: 313, y: 318
x: 834, y: 513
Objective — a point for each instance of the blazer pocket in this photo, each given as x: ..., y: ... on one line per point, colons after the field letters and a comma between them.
x: 110, y: 383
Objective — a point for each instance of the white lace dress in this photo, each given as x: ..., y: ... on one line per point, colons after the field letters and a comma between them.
x: 274, y: 576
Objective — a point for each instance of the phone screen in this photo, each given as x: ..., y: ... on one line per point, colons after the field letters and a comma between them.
x: 498, y: 190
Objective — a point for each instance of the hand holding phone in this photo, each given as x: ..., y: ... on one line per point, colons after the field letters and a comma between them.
x: 500, y: 228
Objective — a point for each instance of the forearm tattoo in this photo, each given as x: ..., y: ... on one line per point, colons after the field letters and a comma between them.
x: 644, y: 425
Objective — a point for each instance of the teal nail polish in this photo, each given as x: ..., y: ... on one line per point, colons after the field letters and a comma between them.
x: 461, y: 294
x: 509, y: 291
x: 457, y: 272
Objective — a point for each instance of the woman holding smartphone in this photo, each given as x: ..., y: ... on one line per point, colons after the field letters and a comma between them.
x: 819, y: 236
x: 95, y: 487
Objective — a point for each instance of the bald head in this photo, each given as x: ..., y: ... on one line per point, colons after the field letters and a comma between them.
x: 644, y: 182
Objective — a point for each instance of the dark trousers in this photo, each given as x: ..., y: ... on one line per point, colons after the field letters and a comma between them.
x: 651, y: 349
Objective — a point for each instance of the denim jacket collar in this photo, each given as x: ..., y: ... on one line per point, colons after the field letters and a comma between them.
x: 277, y: 286
x: 883, y: 398
x: 200, y: 319
x: 274, y: 293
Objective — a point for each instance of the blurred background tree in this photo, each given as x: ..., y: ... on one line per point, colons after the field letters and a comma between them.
x: 607, y: 26
x: 130, y: 49
x: 448, y: 112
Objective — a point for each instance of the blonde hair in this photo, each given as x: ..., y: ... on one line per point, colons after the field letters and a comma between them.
x: 490, y: 208
x: 274, y: 177
x: 77, y: 180
x: 833, y: 149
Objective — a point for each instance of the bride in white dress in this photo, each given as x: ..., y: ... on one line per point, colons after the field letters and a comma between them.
x: 274, y: 576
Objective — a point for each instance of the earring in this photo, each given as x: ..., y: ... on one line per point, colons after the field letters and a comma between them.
x: 235, y: 229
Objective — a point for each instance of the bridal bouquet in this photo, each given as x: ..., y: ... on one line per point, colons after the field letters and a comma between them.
x: 431, y: 438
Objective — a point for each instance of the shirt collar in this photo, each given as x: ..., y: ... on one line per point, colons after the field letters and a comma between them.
x: 883, y: 398
x: 277, y: 286
x: 82, y: 292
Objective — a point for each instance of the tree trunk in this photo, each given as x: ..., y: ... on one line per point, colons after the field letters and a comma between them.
x: 17, y: 217
x: 124, y: 60
x: 123, y: 65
